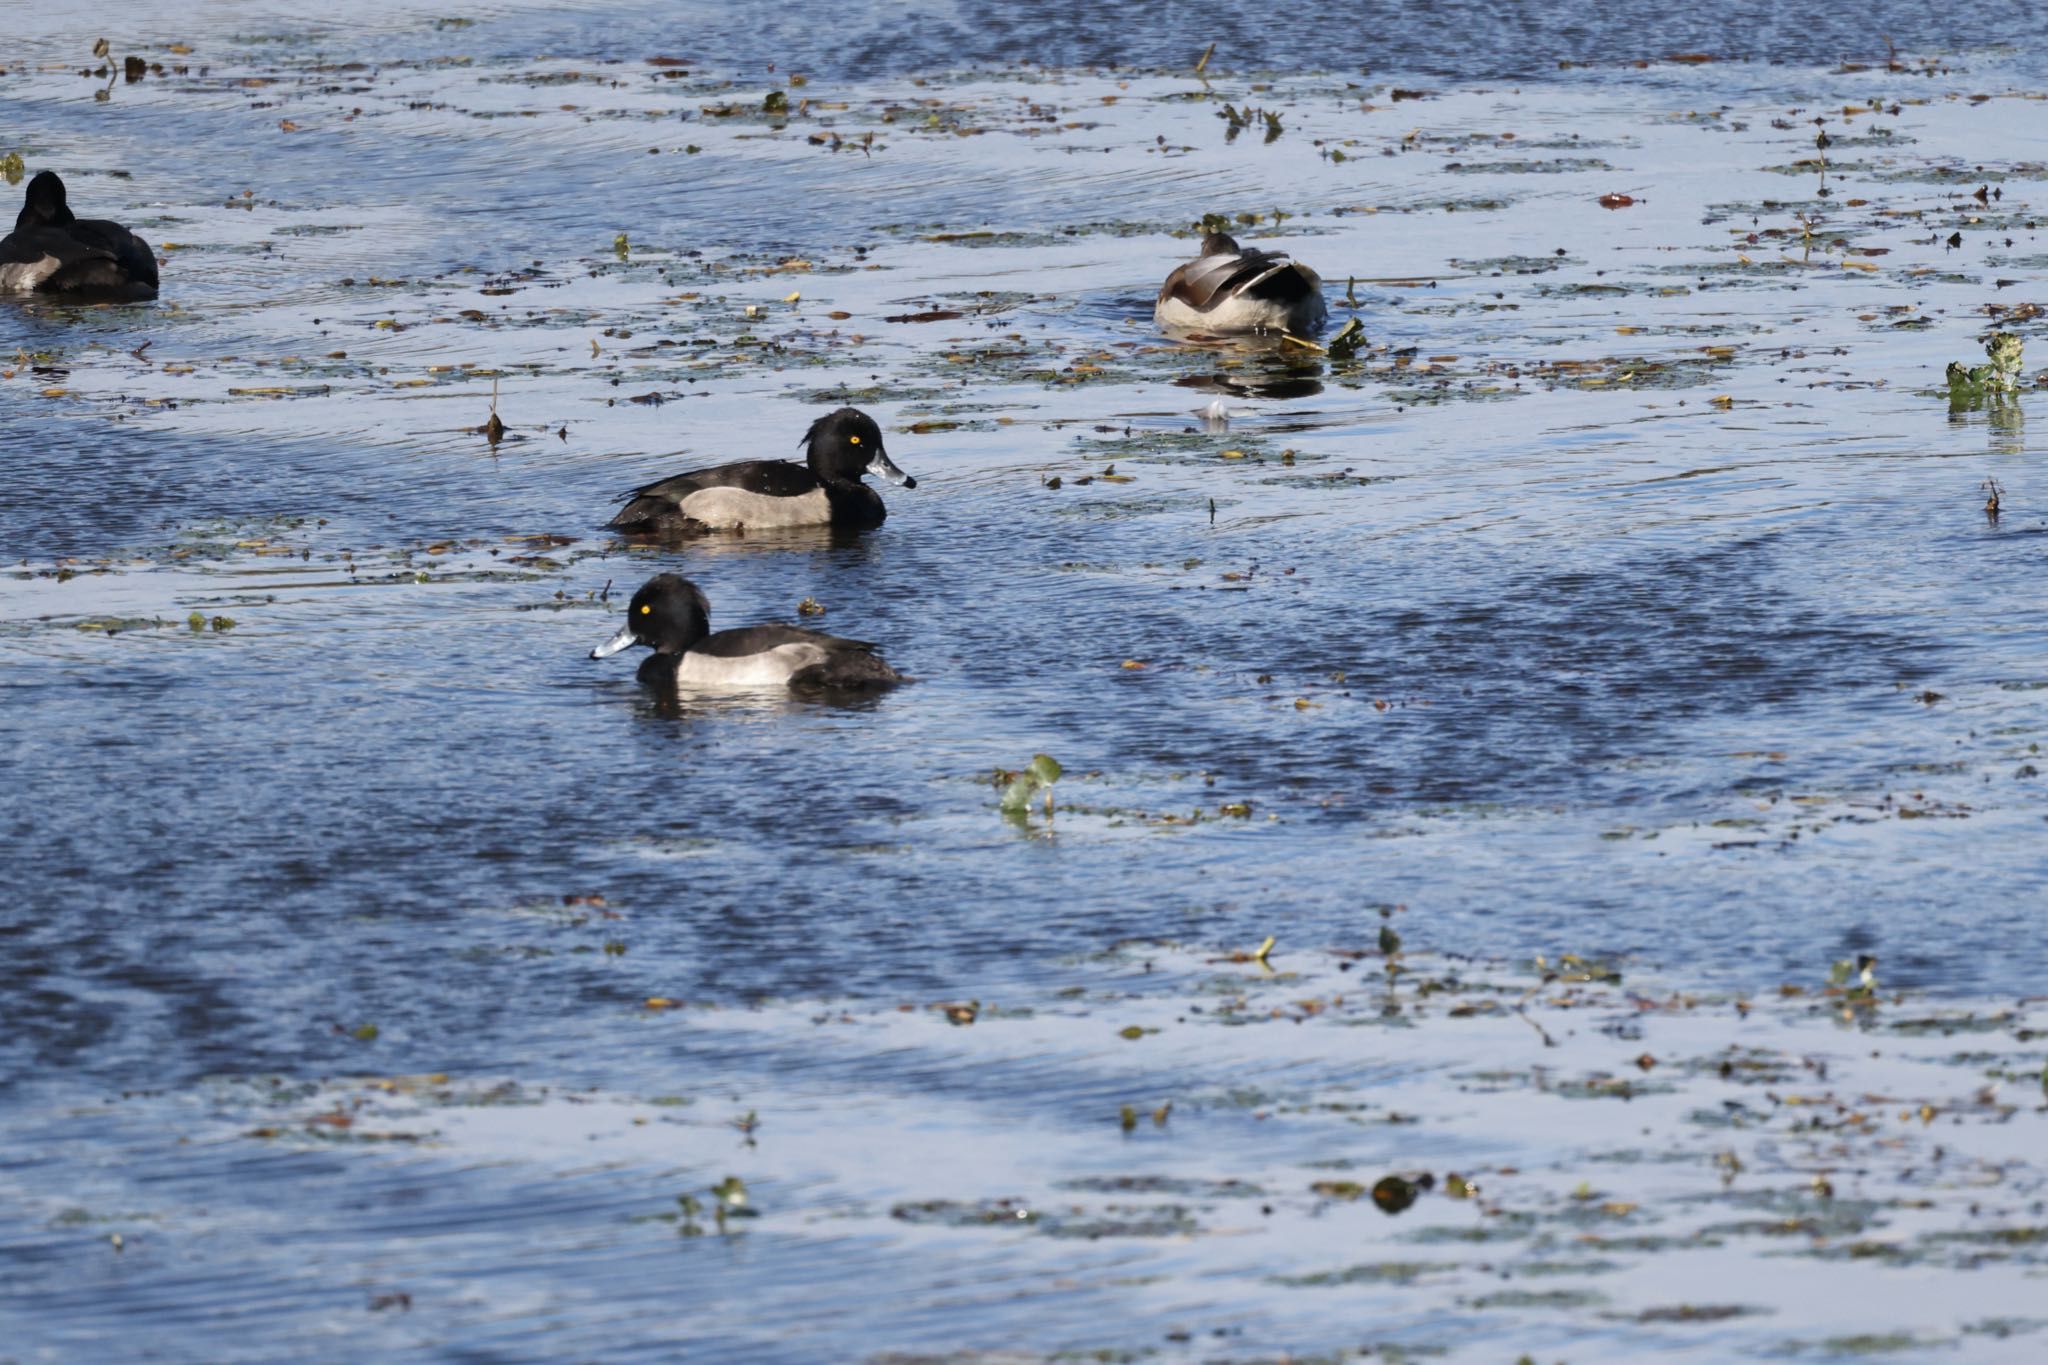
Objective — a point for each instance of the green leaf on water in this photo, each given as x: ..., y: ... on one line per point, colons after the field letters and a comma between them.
x: 365, y: 1033
x: 1393, y: 1194
x: 1855, y: 977
x: 13, y: 167
x: 1999, y: 380
x: 1024, y: 787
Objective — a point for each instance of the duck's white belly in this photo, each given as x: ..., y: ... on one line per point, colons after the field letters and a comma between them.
x: 1240, y: 314
x: 20, y: 277
x: 770, y: 668
x: 734, y: 509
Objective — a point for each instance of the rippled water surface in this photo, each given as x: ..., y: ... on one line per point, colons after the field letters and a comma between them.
x: 382, y: 976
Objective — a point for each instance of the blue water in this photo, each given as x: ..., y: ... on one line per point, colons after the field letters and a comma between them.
x: 1557, y: 657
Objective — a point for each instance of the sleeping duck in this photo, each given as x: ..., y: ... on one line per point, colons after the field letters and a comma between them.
x: 764, y: 494
x: 1229, y: 288
x: 670, y: 616
x: 52, y: 252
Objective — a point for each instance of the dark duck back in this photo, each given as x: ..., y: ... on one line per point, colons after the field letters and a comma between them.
x: 53, y: 251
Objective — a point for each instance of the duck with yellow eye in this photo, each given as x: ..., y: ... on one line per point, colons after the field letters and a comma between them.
x: 671, y: 617
x: 755, y: 495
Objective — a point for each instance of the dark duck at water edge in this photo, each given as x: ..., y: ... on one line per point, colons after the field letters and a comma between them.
x: 671, y: 617
x: 1229, y: 288
x: 749, y: 495
x: 53, y: 251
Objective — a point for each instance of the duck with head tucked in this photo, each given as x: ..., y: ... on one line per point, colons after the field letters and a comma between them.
x: 750, y: 495
x: 671, y: 617
x: 1229, y: 288
x: 53, y: 251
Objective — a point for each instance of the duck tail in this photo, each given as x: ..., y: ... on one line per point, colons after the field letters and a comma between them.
x: 849, y: 669
x: 1286, y: 282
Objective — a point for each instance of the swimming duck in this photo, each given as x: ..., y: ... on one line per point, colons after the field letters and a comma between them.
x: 763, y: 494
x: 51, y: 251
x: 1229, y: 288
x: 670, y: 616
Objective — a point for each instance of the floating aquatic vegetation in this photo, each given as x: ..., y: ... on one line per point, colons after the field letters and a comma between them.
x: 1237, y: 120
x: 1021, y: 788
x: 1396, y: 1194
x: 1401, y: 1273
x: 1997, y: 381
x: 1558, y: 166
x: 1061, y: 1221
x: 1855, y: 979
x: 493, y: 428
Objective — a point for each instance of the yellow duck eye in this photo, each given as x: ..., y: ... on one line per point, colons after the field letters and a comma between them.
x: 646, y: 609
x: 854, y: 439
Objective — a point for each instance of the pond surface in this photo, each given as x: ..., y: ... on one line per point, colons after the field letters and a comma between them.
x: 382, y: 975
